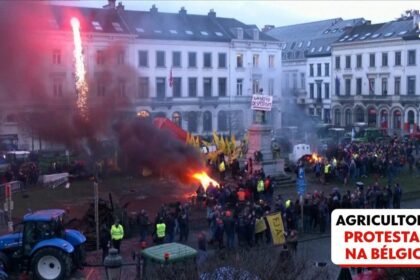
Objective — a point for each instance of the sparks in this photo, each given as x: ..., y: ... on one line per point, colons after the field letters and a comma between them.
x: 316, y: 158
x: 205, y: 179
x: 80, y: 71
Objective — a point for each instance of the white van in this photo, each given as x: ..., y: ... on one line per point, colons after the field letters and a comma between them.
x: 299, y: 151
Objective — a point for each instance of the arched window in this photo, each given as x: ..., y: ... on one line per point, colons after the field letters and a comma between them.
x: 372, y: 117
x: 207, y: 122
x: 397, y: 119
x: 177, y: 119
x: 192, y: 121
x: 359, y: 115
x: 222, y: 121
x: 337, y: 117
x: 410, y: 117
x: 348, y: 118
x: 384, y: 119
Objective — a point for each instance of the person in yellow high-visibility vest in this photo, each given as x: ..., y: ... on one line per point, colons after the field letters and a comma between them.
x: 160, y: 232
x: 117, y: 234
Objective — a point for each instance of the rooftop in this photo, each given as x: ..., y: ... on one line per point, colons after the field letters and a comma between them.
x: 43, y: 215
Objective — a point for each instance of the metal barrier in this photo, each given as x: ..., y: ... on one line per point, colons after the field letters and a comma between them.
x: 15, y: 186
x: 54, y: 180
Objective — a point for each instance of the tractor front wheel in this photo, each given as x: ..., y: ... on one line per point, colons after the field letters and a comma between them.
x: 51, y: 264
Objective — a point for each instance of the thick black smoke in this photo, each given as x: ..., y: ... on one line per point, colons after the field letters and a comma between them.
x: 143, y: 145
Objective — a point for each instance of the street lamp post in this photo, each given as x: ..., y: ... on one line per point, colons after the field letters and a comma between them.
x: 113, y: 265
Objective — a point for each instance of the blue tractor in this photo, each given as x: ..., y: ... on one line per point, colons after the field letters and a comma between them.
x: 43, y: 246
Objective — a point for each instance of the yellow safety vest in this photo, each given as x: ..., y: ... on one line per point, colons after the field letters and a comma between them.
x: 222, y: 166
x: 260, y: 186
x: 160, y: 230
x: 117, y: 232
x: 327, y: 169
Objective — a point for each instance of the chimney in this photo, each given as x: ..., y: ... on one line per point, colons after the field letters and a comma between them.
x: 255, y: 34
x: 183, y: 12
x: 120, y: 6
x: 416, y: 19
x: 267, y: 27
x: 212, y: 13
x: 239, y: 33
x: 154, y: 10
x: 111, y: 4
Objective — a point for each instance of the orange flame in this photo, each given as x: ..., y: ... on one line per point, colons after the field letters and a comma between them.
x: 205, y: 179
x: 80, y: 70
x: 316, y: 158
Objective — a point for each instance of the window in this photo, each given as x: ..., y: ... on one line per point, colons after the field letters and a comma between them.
x: 207, y: 122
x: 176, y: 59
x: 222, y: 121
x: 348, y: 87
x: 384, y: 59
x: 327, y: 117
x: 160, y: 88
x: 100, y: 58
x: 100, y: 90
x: 372, y: 60
x: 160, y: 59
x: 359, y: 61
x: 337, y: 86
x: 337, y: 62
x: 207, y: 60
x: 222, y: 86
x: 311, y: 70
x: 311, y: 91
x: 121, y: 58
x: 143, y: 87
x: 192, y: 87
x: 255, y: 86
x: 256, y: 60
x: 311, y: 111
x: 97, y: 25
x: 121, y: 88
x: 143, y: 59
x: 371, y: 86
x: 348, y: 62
x: 319, y: 91
x: 397, y: 58
x: 176, y: 87
x: 359, y: 86
x: 271, y: 58
x: 337, y: 117
x: 411, y: 57
x: 397, y: 85
x: 192, y: 59
x: 222, y: 60
x: 192, y: 122
x: 327, y: 90
x: 411, y: 85
x: 117, y: 27
x: 327, y: 69
x: 239, y: 86
x: 57, y: 88
x: 384, y: 86
x: 318, y: 69
x: 239, y: 60
x: 348, y: 118
x: 271, y: 87
x: 207, y: 87
x: 302, y: 80
x: 56, y: 57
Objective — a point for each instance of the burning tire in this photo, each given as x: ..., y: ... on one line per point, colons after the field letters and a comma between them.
x: 51, y: 264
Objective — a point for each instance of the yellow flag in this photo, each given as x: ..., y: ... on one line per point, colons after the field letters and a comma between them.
x: 216, y: 139
x: 275, y: 223
x: 197, y: 142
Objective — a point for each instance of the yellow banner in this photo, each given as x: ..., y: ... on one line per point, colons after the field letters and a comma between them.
x: 275, y: 222
x: 260, y: 225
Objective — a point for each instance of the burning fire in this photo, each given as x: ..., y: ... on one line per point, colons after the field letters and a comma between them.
x: 80, y: 71
x: 204, y: 179
x: 316, y: 158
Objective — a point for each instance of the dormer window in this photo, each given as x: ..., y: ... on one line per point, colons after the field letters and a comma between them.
x: 97, y: 26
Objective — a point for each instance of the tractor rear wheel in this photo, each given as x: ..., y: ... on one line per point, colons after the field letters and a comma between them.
x: 51, y: 264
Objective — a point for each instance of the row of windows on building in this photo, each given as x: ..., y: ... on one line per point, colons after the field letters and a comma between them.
x: 161, y: 87
x: 370, y: 116
x: 294, y: 84
x: 318, y: 86
x: 411, y: 60
x: 192, y: 120
x: 319, y: 70
x: 411, y: 86
x: 143, y: 59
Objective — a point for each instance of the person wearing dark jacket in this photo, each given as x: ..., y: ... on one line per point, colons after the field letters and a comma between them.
x: 104, y: 240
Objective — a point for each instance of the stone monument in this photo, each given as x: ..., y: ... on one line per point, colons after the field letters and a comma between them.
x: 259, y: 138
